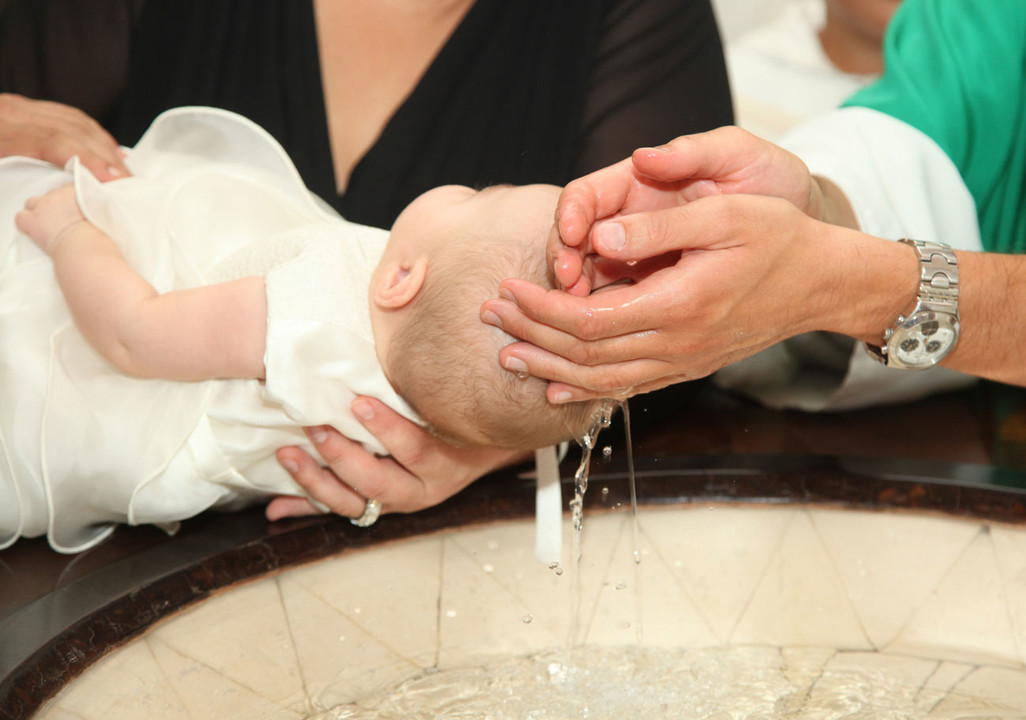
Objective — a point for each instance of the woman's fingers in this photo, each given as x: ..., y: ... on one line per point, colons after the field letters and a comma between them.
x: 420, y: 470
x: 55, y: 133
x: 426, y: 469
x: 285, y: 506
x: 323, y: 484
x: 67, y: 132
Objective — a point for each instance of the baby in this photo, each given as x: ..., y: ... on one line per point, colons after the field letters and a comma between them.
x: 217, y: 307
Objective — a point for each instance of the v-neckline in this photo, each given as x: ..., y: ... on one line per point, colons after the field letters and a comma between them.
x: 420, y: 88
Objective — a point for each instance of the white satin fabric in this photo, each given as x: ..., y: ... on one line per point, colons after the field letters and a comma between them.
x: 212, y: 198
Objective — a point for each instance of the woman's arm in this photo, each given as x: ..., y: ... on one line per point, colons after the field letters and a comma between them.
x: 63, y: 64
x: 216, y: 331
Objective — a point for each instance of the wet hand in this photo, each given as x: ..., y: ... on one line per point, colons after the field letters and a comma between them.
x: 723, y: 161
x: 419, y: 472
x: 55, y: 133
x: 746, y: 274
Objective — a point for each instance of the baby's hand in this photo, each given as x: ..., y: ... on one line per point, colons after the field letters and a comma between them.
x: 46, y: 219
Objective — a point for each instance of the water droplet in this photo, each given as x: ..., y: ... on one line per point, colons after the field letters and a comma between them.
x: 556, y: 568
x: 488, y: 567
x: 558, y: 673
x: 621, y: 585
x: 637, y: 558
x: 607, y: 451
x: 528, y: 618
x: 450, y: 613
x: 341, y: 638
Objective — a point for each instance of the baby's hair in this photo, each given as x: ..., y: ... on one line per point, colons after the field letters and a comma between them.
x: 444, y: 360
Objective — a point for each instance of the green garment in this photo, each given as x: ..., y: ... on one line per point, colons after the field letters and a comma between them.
x: 956, y: 70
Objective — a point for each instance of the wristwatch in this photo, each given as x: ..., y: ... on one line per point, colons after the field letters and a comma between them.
x: 930, y: 332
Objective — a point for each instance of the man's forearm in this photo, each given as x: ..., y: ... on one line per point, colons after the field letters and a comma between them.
x: 992, y: 299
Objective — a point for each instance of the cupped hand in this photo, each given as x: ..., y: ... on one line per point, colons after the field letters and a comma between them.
x: 749, y: 271
x: 727, y: 160
x: 55, y: 133
x: 46, y: 219
x: 419, y: 472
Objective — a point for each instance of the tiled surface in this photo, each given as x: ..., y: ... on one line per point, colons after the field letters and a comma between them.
x: 939, y: 604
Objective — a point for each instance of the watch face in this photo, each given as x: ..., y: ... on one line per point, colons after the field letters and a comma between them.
x: 923, y: 340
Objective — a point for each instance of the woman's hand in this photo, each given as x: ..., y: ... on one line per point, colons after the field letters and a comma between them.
x: 55, y: 133
x: 419, y: 472
x: 748, y: 271
x: 46, y: 219
x: 727, y: 160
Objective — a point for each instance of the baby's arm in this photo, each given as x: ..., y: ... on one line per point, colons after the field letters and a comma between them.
x: 202, y: 333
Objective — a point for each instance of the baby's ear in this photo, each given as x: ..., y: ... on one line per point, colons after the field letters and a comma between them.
x: 398, y: 283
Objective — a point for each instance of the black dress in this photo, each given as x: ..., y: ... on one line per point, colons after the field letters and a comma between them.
x: 524, y: 90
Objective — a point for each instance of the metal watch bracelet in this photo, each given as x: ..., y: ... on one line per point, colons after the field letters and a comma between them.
x: 938, y: 295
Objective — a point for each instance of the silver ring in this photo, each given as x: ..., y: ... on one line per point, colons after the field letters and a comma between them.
x: 371, y: 512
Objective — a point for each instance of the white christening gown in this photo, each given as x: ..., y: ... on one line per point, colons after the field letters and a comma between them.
x: 212, y: 198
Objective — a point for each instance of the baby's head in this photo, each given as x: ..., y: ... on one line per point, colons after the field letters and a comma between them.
x: 448, y: 252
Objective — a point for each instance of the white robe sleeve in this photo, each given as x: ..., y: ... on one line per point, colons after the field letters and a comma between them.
x: 901, y: 184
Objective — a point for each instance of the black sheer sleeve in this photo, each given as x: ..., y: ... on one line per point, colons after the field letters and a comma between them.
x: 70, y: 51
x: 659, y: 73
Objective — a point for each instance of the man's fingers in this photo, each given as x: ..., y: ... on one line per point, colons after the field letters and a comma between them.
x: 612, y: 379
x: 550, y: 317
x: 566, y: 262
x: 559, y: 393
x: 645, y: 235
x: 592, y: 197
x: 717, y: 154
x: 619, y: 310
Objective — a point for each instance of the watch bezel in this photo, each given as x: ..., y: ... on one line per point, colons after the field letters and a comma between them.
x: 906, y: 327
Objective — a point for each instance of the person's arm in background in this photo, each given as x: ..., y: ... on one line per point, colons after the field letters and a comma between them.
x: 62, y: 66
